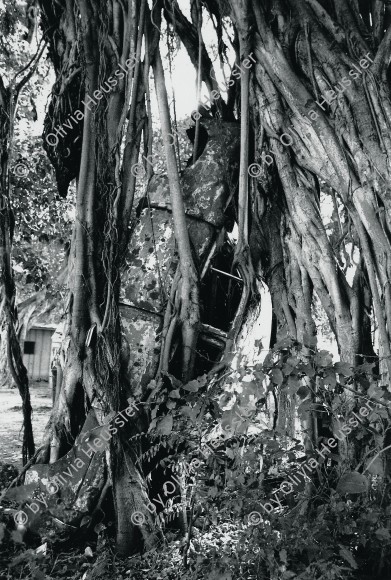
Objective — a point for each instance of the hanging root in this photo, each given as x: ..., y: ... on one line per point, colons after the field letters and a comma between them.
x: 242, y: 257
x: 187, y: 285
x: 169, y: 324
x: 180, y: 310
x: 19, y: 375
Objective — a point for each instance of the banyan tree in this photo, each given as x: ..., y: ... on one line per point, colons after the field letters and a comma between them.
x: 288, y: 185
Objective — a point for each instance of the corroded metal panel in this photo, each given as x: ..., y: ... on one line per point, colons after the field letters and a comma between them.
x: 65, y: 491
x: 152, y: 259
x: 141, y: 331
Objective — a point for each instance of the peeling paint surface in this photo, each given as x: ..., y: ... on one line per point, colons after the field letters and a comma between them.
x: 151, y: 260
x: 141, y: 331
x: 74, y: 493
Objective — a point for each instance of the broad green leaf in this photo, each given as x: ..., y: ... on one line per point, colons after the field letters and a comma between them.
x: 2, y: 528
x: 303, y: 392
x: 348, y: 556
x: 273, y: 445
x: 284, y: 343
x: 192, y: 386
x: 375, y: 467
x: 230, y: 453
x: 308, y: 370
x: 283, y: 556
x: 366, y: 367
x: 251, y: 387
x: 305, y: 407
x: 213, y: 492
x: 293, y: 384
x: 260, y: 376
x: 383, y: 534
x: 343, y: 368
x: 323, y: 358
x: 276, y: 376
x: 352, y: 482
x: 287, y: 369
x: 375, y: 392
x: 233, y: 421
x: 164, y: 426
x: 176, y: 383
x: 330, y: 379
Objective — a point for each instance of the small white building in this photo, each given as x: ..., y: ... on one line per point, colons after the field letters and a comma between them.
x: 37, y: 351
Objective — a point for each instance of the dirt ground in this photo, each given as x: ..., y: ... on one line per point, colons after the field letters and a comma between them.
x: 11, y: 420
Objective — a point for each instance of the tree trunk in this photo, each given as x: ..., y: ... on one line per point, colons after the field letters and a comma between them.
x: 306, y: 147
x: 8, y: 312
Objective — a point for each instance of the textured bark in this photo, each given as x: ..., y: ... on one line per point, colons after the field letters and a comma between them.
x: 282, y: 101
x: 92, y: 350
x: 152, y: 258
x: 101, y: 368
x: 188, y: 291
x: 303, y: 48
x: 8, y: 312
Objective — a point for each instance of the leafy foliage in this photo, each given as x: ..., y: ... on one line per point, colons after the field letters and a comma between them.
x: 327, y: 529
x: 243, y: 460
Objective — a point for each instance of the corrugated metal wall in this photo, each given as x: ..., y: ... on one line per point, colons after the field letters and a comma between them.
x: 38, y: 364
